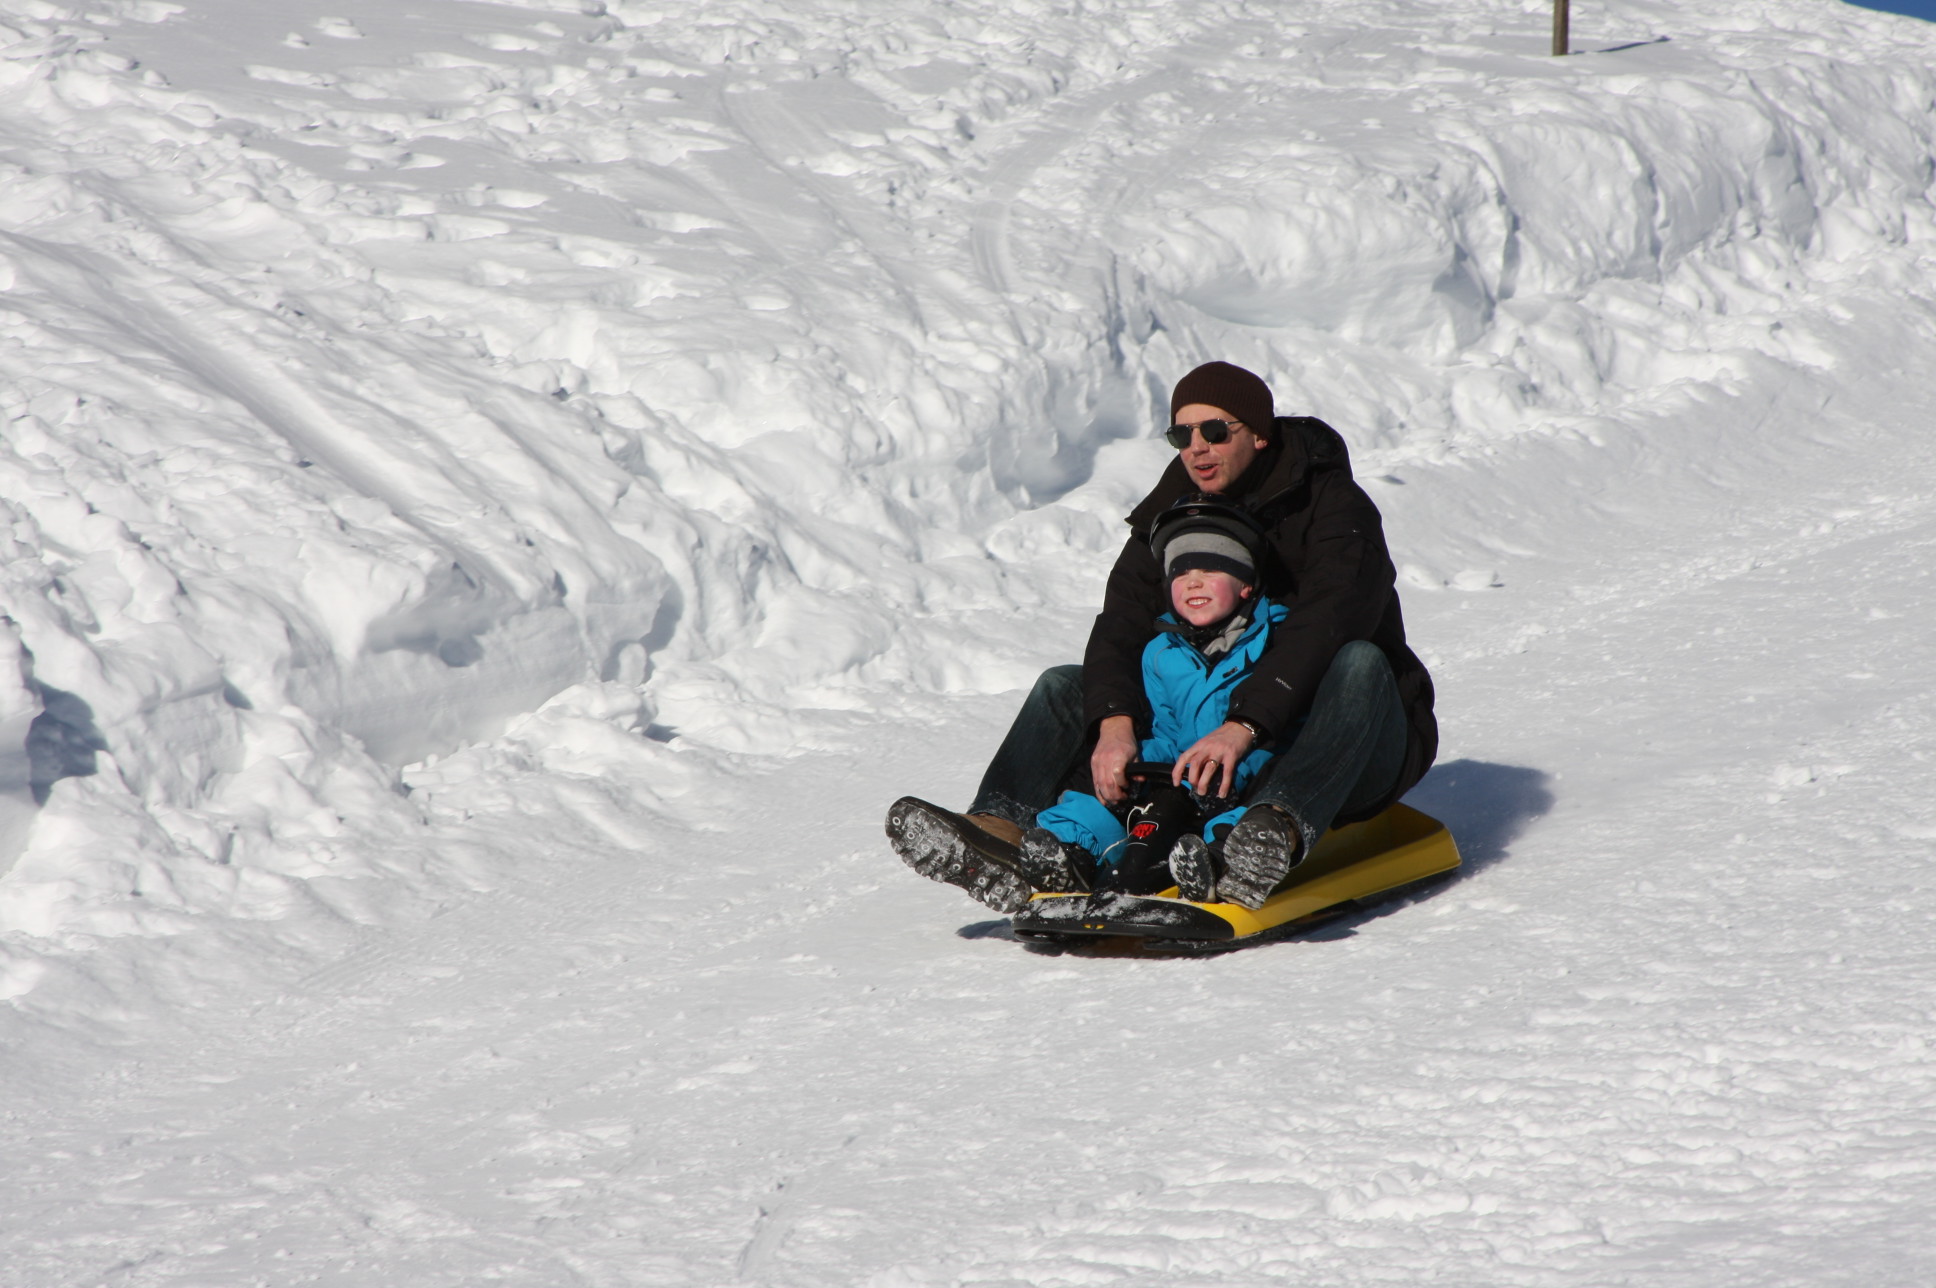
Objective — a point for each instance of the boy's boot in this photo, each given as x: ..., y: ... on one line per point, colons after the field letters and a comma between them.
x: 1143, y: 864
x: 1258, y: 854
x: 978, y: 852
x: 1055, y: 866
x: 1193, y: 866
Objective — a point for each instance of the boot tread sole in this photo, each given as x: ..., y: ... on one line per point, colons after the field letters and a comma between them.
x: 933, y: 842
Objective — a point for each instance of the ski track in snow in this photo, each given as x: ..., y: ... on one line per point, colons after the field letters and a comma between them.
x: 498, y: 497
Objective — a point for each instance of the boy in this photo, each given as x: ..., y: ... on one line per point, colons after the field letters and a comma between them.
x: 1218, y: 627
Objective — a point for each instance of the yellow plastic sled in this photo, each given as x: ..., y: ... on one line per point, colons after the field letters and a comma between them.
x: 1351, y: 864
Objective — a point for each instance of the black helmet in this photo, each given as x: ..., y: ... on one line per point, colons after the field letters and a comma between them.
x: 1206, y: 531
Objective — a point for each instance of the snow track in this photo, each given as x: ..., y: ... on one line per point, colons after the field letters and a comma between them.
x: 497, y: 498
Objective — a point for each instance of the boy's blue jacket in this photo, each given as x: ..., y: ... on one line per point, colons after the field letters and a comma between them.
x: 1189, y: 695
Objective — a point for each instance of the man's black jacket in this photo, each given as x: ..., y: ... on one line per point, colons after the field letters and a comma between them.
x: 1326, y: 562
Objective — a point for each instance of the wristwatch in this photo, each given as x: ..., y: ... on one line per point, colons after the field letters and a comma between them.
x: 1256, y: 734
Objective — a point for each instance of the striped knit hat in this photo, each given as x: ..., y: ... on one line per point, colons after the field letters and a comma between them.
x: 1204, y: 531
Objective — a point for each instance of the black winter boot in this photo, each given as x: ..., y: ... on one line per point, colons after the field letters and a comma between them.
x: 945, y: 846
x: 1193, y: 866
x: 1055, y: 866
x: 1258, y: 854
x: 1143, y: 865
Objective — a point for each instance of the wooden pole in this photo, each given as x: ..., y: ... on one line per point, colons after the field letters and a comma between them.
x: 1560, y: 17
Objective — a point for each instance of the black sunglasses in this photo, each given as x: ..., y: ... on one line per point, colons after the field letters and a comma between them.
x: 1213, y: 431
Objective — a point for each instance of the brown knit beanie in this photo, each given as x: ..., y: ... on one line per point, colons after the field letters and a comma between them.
x: 1220, y: 384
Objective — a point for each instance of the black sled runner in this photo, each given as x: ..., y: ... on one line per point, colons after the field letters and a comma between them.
x: 1348, y: 867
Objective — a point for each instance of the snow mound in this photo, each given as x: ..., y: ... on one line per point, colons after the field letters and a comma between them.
x: 367, y: 386
x: 495, y: 499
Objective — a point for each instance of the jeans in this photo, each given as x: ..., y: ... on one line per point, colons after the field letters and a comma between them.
x: 1341, y: 758
x: 1345, y: 755
x: 1042, y: 747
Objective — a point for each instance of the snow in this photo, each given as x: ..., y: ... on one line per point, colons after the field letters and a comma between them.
x: 497, y: 498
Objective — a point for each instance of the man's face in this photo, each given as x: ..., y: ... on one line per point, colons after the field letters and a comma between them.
x: 1201, y: 596
x: 1214, y: 467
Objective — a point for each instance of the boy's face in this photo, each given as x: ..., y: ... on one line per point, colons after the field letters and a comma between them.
x: 1201, y: 596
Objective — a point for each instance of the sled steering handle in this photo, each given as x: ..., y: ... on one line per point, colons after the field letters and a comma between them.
x: 1149, y: 769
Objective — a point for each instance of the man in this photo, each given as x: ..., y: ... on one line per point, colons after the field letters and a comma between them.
x: 1338, y: 698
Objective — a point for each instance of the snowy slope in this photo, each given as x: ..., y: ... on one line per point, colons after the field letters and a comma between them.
x: 500, y: 496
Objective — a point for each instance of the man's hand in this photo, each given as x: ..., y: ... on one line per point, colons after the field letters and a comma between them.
x: 1116, y: 746
x: 1213, y: 760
